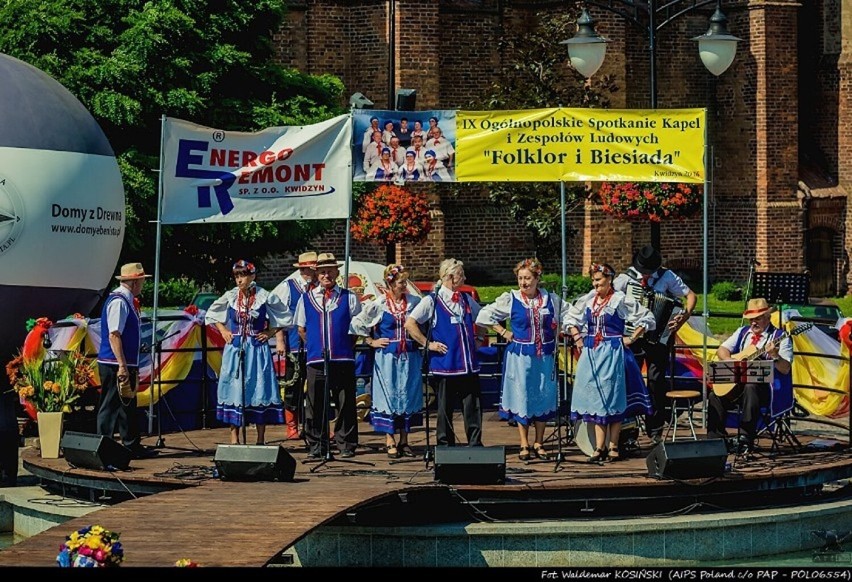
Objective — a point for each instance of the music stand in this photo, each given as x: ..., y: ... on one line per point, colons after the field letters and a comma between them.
x: 782, y: 287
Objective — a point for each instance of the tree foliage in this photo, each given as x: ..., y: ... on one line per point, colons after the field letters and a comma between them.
x: 208, y: 61
x: 537, y: 74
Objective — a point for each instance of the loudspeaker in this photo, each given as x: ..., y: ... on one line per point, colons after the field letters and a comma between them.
x: 406, y: 99
x: 92, y: 451
x: 470, y: 465
x: 688, y: 459
x: 254, y: 463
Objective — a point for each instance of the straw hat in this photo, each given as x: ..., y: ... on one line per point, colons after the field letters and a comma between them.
x: 757, y: 307
x: 327, y: 260
x: 307, y: 260
x: 132, y: 271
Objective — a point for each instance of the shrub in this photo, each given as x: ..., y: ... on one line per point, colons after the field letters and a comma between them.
x: 727, y: 291
x: 173, y: 292
x: 577, y: 284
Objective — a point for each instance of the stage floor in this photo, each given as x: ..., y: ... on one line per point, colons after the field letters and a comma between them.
x: 181, y: 505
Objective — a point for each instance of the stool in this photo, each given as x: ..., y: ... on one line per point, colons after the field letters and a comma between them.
x: 682, y: 401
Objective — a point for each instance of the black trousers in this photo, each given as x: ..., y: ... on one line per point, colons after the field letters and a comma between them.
x: 294, y: 394
x: 750, y: 396
x: 113, y: 411
x: 656, y: 356
x: 449, y: 389
x: 340, y: 384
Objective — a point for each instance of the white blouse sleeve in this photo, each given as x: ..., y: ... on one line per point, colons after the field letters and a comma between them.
x: 370, y: 316
x: 218, y: 310
x: 496, y: 312
x: 635, y: 313
x: 575, y: 314
x: 279, y: 314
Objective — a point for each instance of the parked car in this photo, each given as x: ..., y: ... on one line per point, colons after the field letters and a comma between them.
x: 428, y: 286
x: 203, y: 299
x: 824, y: 313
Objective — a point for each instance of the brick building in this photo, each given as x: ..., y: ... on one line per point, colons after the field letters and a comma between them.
x: 780, y: 125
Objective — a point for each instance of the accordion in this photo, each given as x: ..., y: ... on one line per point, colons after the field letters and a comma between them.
x: 663, y: 307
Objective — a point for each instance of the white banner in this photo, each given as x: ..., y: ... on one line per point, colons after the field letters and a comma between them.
x: 280, y: 173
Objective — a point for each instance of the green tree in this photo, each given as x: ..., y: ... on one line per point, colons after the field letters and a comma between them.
x: 207, y: 61
x: 537, y: 74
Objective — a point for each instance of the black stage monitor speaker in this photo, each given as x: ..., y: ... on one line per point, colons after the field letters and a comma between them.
x: 688, y: 459
x: 92, y: 451
x: 406, y: 99
x: 254, y: 463
x: 470, y: 465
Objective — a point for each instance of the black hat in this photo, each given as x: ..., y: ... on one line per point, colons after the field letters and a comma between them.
x: 647, y: 260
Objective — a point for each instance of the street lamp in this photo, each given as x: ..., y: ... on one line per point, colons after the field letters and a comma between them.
x: 717, y: 47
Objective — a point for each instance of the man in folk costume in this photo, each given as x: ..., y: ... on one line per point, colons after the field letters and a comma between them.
x: 119, y: 358
x: 323, y: 316
x: 764, y: 341
x: 648, y: 274
x: 291, y: 291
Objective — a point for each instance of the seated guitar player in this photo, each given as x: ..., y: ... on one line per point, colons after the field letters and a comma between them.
x: 757, y: 340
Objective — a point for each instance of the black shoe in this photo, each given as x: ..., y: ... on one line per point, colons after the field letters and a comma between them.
x: 314, y: 456
x: 347, y: 454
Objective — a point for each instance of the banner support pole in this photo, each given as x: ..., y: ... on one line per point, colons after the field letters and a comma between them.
x: 346, y: 244
x: 705, y: 315
x: 156, y: 282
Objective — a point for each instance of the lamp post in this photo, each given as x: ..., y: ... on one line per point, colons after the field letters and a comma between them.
x: 717, y: 47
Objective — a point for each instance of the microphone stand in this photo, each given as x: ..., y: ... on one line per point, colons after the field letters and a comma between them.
x: 156, y: 347
x: 243, y: 336
x: 560, y: 400
x: 425, y: 373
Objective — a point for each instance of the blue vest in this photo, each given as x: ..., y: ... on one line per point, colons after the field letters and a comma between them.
x: 459, y: 338
x: 522, y: 330
x: 341, y: 345
x: 394, y: 329
x: 130, y: 335
x: 293, y: 339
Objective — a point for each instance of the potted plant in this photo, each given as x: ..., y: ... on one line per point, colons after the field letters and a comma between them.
x: 48, y: 383
x: 650, y: 200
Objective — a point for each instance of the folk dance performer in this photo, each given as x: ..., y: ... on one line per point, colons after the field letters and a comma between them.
x: 529, y: 391
x: 453, y: 363
x: 290, y: 291
x: 324, y: 316
x: 608, y: 385
x: 397, y: 386
x: 247, y: 316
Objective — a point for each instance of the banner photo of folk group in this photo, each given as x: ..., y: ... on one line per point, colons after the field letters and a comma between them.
x: 306, y: 172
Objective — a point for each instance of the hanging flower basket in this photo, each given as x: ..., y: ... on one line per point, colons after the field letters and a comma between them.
x: 650, y: 200
x: 390, y: 215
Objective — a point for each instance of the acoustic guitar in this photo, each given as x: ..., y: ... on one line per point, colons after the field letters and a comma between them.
x: 752, y: 353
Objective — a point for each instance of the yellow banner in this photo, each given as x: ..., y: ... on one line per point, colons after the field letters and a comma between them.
x: 580, y: 145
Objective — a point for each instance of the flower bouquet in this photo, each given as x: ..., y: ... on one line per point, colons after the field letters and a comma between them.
x: 49, y: 383
x: 91, y: 547
x: 650, y: 200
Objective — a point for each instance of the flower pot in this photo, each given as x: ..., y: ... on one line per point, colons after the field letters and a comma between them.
x: 49, y: 433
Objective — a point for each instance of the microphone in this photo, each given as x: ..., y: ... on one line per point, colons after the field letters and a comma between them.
x: 755, y: 262
x: 45, y: 341
x: 437, y: 286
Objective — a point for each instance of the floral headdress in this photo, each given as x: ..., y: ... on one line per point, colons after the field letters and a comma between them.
x: 392, y: 272
x: 244, y: 266
x: 532, y: 265
x: 602, y: 268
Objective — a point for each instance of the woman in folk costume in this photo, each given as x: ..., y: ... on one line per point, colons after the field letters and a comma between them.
x: 434, y: 171
x: 397, y: 385
x: 385, y: 169
x: 411, y: 170
x: 529, y: 394
x: 247, y: 316
x: 608, y: 385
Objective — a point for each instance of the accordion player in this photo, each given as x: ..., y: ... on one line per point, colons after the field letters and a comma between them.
x: 664, y: 308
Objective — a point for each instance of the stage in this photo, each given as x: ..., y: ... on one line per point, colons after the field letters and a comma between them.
x: 172, y: 506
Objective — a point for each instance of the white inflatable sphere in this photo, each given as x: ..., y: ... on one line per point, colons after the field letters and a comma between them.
x: 61, y: 203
